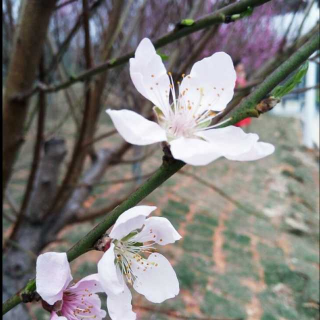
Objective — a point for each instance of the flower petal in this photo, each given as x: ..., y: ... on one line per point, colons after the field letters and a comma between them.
x: 258, y: 151
x: 149, y: 75
x: 156, y: 281
x: 159, y: 230
x: 109, y: 277
x: 193, y: 151
x: 91, y: 283
x: 54, y: 316
x: 135, y: 129
x: 53, y: 275
x: 130, y: 220
x: 119, y: 306
x: 81, y: 299
x: 234, y: 144
x: 211, y: 81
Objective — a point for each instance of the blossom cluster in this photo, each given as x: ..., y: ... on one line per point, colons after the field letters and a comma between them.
x: 130, y: 254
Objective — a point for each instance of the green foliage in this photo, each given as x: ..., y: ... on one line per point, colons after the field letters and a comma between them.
x: 289, y: 85
x: 187, y: 22
x: 163, y: 56
x: 218, y: 306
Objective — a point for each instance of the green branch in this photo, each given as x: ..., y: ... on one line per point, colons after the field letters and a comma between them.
x: 168, y: 168
x: 251, y: 106
x: 226, y: 14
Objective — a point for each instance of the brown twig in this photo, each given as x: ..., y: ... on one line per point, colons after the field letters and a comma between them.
x: 65, y: 44
x: 138, y: 159
x: 98, y: 212
x: 36, y: 152
x: 98, y: 138
x: 64, y: 4
x: 302, y: 90
x: 12, y: 204
x: 218, y: 17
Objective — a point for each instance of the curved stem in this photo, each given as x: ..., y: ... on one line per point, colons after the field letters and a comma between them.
x: 167, y: 169
x: 248, y: 107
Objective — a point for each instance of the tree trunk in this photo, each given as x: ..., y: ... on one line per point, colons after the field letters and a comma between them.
x: 26, y: 241
x: 28, y: 46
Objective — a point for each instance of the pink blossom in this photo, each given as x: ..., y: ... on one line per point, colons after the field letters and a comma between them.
x: 64, y: 299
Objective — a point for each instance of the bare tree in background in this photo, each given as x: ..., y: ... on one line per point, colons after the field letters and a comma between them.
x: 59, y: 78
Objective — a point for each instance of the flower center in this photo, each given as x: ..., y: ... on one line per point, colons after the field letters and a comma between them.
x: 185, y: 117
x: 77, y: 304
x: 129, y: 257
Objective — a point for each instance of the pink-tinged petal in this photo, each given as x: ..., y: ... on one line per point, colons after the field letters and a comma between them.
x: 156, y: 279
x: 90, y: 283
x: 193, y: 151
x: 119, y: 306
x: 135, y: 129
x: 149, y: 75
x: 109, y: 277
x: 234, y: 144
x: 81, y: 303
x: 54, y: 316
x: 130, y: 220
x: 53, y: 275
x: 212, y: 81
x: 159, y: 230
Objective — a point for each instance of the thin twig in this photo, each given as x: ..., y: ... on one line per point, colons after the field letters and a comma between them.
x: 223, y: 194
x: 98, y: 138
x: 64, y: 4
x: 220, y: 16
x: 98, y: 212
x: 36, y: 152
x: 12, y: 204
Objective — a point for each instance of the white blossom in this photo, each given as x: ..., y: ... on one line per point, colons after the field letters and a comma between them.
x: 132, y: 258
x: 184, y: 118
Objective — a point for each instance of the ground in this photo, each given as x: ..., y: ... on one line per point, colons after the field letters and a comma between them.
x: 250, y: 234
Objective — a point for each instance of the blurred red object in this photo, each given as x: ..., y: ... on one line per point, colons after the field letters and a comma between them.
x: 240, y: 83
x: 243, y: 123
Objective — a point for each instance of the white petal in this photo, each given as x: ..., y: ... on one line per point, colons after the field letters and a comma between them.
x: 54, y: 316
x: 215, y: 78
x: 193, y: 151
x: 234, y: 144
x: 130, y: 220
x: 258, y: 151
x: 109, y: 277
x: 91, y: 282
x: 119, y: 306
x: 159, y: 230
x: 158, y: 282
x: 135, y: 129
x: 149, y: 75
x: 53, y: 276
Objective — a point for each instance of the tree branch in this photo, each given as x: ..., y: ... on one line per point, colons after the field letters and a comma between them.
x: 220, y: 16
x: 249, y: 107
